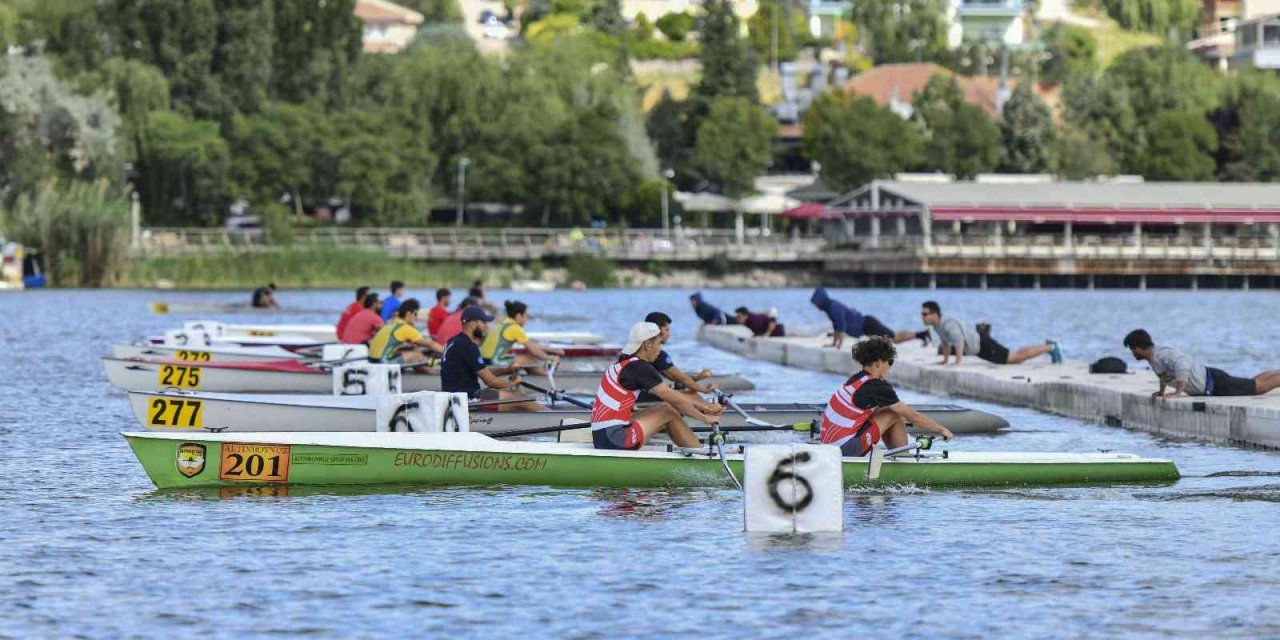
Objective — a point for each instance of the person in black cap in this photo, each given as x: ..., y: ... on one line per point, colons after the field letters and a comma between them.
x: 264, y: 297
x: 462, y: 368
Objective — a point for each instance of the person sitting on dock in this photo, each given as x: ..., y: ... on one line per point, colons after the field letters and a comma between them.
x: 440, y: 312
x: 392, y: 303
x: 265, y: 297
x: 462, y: 368
x: 615, y: 424
x: 667, y: 367
x: 499, y: 346
x: 760, y: 324
x: 351, y: 310
x: 866, y: 409
x: 361, y: 328
x: 1190, y: 377
x: 847, y: 321
x: 707, y: 312
x: 399, y: 341
x: 959, y: 339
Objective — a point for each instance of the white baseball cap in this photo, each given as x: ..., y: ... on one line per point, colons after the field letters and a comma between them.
x: 640, y: 332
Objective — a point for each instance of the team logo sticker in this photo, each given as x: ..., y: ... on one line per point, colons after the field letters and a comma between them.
x: 191, y: 459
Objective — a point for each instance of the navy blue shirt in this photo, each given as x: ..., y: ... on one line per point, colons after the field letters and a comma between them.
x: 663, y: 362
x: 460, y: 365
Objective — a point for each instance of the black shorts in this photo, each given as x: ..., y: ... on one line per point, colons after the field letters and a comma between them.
x: 622, y: 436
x: 483, y: 394
x: 1221, y: 383
x: 871, y: 326
x: 992, y: 351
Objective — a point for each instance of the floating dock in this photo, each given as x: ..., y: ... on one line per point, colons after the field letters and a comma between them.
x: 1068, y: 389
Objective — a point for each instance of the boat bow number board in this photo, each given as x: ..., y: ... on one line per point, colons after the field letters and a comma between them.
x: 181, y: 376
x: 176, y: 413
x: 254, y: 462
x: 193, y: 356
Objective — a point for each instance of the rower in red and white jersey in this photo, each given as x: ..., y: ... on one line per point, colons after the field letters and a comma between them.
x: 614, y: 422
x: 866, y: 409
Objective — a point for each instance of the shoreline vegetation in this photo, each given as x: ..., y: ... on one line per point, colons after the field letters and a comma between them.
x: 344, y: 268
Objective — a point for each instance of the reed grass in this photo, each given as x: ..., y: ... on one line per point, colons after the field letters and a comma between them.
x: 80, y: 229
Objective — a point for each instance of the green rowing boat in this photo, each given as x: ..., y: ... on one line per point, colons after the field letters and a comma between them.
x: 188, y: 460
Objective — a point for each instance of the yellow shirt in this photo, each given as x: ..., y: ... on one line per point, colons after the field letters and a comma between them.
x: 497, y: 345
x: 389, y: 338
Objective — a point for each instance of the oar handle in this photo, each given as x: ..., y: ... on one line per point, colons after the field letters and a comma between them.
x: 556, y: 395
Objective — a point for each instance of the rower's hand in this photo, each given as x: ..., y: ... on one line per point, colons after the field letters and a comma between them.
x: 516, y: 380
x: 947, y: 435
x: 556, y: 352
x: 710, y: 387
x: 713, y: 409
x: 702, y: 375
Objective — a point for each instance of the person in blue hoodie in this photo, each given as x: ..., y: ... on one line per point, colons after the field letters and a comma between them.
x: 847, y: 321
x: 707, y: 312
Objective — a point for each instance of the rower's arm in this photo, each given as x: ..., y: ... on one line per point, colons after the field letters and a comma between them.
x: 494, y: 382
x: 674, y: 374
x: 920, y: 420
x: 540, y: 352
x: 684, y: 403
x: 773, y: 324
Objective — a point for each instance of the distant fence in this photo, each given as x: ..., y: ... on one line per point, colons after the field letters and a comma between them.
x: 498, y: 244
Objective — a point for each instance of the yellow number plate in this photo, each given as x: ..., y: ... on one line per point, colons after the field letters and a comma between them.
x: 182, y: 376
x: 175, y: 413
x: 194, y: 356
x: 254, y: 462
x: 261, y: 333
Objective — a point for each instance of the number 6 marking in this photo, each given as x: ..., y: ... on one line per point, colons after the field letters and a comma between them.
x: 786, y: 471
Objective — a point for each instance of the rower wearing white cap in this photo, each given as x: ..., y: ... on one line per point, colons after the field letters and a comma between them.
x: 614, y: 422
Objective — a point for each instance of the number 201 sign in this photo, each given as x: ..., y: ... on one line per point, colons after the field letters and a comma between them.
x: 254, y: 462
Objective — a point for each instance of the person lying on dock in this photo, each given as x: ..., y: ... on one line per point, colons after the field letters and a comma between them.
x: 866, y: 409
x: 847, y: 321
x: 363, y: 326
x: 462, y: 368
x: 708, y: 313
x: 499, y: 346
x: 955, y: 338
x: 760, y: 324
x: 615, y: 424
x: 265, y: 297
x: 1190, y: 377
x: 667, y: 367
x: 399, y: 341
x: 351, y: 310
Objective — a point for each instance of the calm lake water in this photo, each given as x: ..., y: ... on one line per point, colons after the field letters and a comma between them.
x: 89, y: 548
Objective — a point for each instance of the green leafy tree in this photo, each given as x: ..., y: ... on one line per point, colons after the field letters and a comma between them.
x: 1180, y: 148
x: 856, y: 140
x: 316, y: 43
x: 734, y: 144
x: 728, y: 65
x: 903, y: 30
x: 276, y: 151
x: 1155, y: 16
x: 960, y: 138
x: 606, y: 17
x: 437, y: 11
x: 675, y: 26
x: 580, y: 170
x: 180, y: 38
x: 1103, y: 112
x: 1027, y: 131
x: 793, y: 28
x: 1165, y: 78
x: 643, y: 28
x: 669, y: 129
x: 242, y: 55
x: 183, y: 167
x: 8, y: 26
x: 1077, y: 156
x: 376, y: 161
x: 1071, y: 50
x: 1248, y: 127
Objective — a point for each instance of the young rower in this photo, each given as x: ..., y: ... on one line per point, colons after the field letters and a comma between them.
x: 498, y: 346
x: 361, y: 328
x: 351, y: 310
x: 667, y: 367
x: 614, y: 422
x: 439, y: 312
x: 462, y: 368
x: 399, y: 341
x: 391, y: 303
x: 866, y: 409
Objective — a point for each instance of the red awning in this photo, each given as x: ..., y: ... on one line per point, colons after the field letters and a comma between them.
x: 810, y: 211
x: 1105, y: 216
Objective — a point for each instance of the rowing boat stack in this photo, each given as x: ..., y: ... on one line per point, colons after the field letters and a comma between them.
x: 178, y: 460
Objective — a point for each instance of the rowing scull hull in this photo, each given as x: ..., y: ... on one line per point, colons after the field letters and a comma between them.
x: 248, y: 413
x: 175, y: 461
x: 294, y: 377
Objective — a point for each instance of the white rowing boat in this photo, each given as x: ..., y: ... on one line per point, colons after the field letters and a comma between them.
x: 292, y: 376
x: 201, y: 353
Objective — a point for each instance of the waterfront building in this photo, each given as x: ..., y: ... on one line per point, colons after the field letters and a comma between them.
x: 388, y: 27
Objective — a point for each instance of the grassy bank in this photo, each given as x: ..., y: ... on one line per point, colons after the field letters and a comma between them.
x: 301, y: 268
